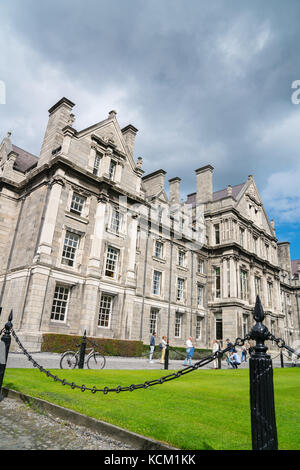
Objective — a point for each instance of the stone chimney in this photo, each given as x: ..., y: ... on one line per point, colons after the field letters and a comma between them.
x: 284, y: 256
x: 204, y: 178
x: 129, y: 133
x: 59, y: 117
x: 154, y: 182
x: 174, y: 190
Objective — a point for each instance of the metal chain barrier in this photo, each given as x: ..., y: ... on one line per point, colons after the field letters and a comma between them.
x: 281, y: 344
x: 131, y: 388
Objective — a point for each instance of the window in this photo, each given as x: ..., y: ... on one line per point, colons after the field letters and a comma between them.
x: 60, y: 303
x: 244, y: 284
x: 255, y: 245
x: 97, y: 162
x: 217, y: 233
x: 180, y: 288
x: 200, y: 295
x: 245, y: 325
x: 267, y: 251
x: 178, y: 320
x: 105, y: 310
x: 116, y: 221
x: 112, y: 170
x: 111, y: 262
x: 219, y: 327
x: 198, y: 327
x: 158, y: 249
x: 200, y: 265
x: 242, y: 233
x: 257, y: 285
x: 156, y: 282
x: 217, y: 283
x: 153, y: 320
x: 69, y: 250
x: 270, y: 293
x: 181, y: 224
x: 181, y: 256
x: 77, y: 204
x: 159, y: 214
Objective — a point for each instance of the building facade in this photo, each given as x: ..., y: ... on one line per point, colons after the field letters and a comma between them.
x: 90, y: 242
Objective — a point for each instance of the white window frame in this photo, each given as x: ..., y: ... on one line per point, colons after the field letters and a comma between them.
x: 158, y: 253
x: 153, y: 320
x: 68, y: 248
x: 200, y: 265
x: 60, y: 289
x: 112, y: 169
x: 156, y: 281
x: 97, y: 163
x: 177, y: 325
x: 105, y: 312
x: 112, y: 259
x: 200, y: 297
x: 180, y: 289
x: 116, y: 221
x: 198, y: 327
x: 181, y: 258
x: 80, y: 203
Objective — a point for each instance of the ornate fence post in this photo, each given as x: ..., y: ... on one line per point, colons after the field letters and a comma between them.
x: 263, y: 422
x: 281, y: 359
x: 4, y: 349
x: 82, y: 351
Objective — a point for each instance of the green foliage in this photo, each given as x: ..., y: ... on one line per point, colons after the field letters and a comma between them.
x: 58, y: 343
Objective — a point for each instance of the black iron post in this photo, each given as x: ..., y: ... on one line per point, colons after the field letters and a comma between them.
x: 167, y: 356
x: 263, y: 422
x: 281, y: 359
x: 219, y: 359
x: 4, y: 349
x: 82, y: 351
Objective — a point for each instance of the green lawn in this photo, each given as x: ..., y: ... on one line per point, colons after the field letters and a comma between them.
x: 206, y: 409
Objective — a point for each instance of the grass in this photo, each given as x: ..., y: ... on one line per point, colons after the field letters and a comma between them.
x: 206, y: 409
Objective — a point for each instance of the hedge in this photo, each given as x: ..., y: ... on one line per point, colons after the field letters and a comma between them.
x: 58, y: 343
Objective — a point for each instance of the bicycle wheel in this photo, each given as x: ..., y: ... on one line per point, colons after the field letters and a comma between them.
x: 96, y: 361
x: 68, y: 360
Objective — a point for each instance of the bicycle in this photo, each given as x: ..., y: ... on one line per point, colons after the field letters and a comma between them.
x: 94, y: 360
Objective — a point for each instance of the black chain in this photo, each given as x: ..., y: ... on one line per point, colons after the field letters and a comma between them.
x: 131, y: 388
x: 281, y: 344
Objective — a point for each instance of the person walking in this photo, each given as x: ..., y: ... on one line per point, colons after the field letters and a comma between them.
x: 244, y: 353
x: 216, y: 348
x: 152, y: 346
x: 163, y: 349
x: 189, y: 351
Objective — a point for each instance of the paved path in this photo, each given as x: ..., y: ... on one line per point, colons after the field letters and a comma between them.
x: 21, y: 428
x: 51, y: 361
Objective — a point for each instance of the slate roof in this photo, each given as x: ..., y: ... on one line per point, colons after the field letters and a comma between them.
x: 191, y: 198
x: 25, y: 161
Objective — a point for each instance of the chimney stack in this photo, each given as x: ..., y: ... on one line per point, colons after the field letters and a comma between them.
x: 204, y: 185
x: 174, y: 190
x: 129, y: 133
x: 59, y: 118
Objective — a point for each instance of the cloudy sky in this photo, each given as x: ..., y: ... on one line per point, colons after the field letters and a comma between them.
x: 204, y: 81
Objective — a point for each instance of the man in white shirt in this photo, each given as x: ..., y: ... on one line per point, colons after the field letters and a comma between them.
x: 189, y: 351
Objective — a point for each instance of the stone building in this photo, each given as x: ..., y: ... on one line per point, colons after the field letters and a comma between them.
x: 90, y: 242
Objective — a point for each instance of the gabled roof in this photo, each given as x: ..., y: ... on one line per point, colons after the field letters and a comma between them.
x: 25, y: 160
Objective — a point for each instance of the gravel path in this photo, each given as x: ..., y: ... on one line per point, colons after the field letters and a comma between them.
x: 22, y: 428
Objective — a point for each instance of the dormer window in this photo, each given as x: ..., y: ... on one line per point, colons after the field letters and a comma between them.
x: 112, y: 170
